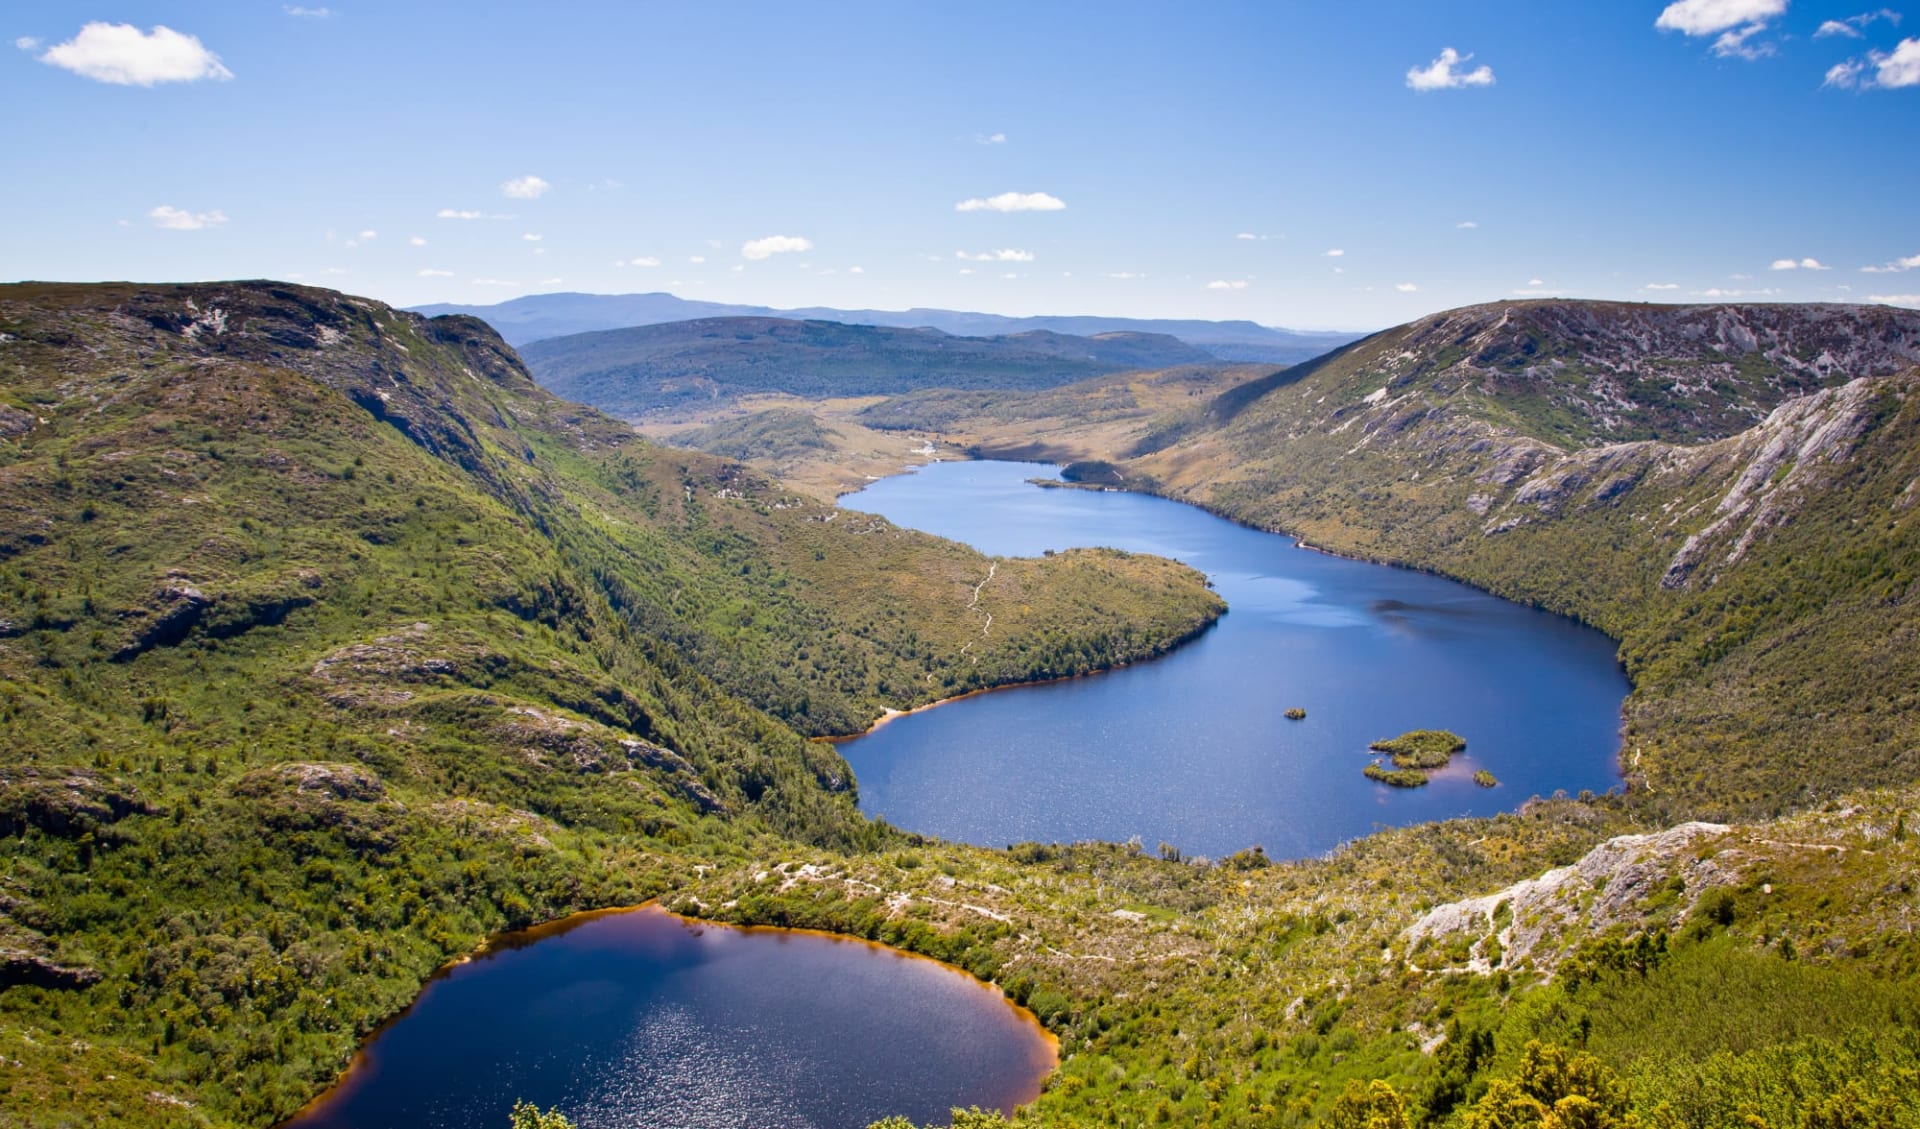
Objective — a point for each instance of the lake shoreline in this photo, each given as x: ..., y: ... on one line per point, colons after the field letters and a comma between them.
x: 358, y: 1070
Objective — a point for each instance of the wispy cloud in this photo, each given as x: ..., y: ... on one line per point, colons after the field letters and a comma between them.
x: 1227, y: 284
x: 494, y: 282
x: 530, y: 237
x: 1006, y: 255
x: 429, y: 272
x: 1012, y: 202
x: 1734, y: 22
x: 1405, y: 287
x: 452, y: 214
x: 308, y: 13
x: 1798, y: 264
x: 1249, y: 235
x: 696, y: 259
x: 1896, y: 299
x: 990, y: 139
x: 1467, y: 225
x: 1442, y: 75
x: 416, y: 240
x: 27, y: 43
x: 525, y: 188
x: 175, y: 219
x: 126, y: 56
x: 1719, y: 292
x: 639, y: 261
x: 1882, y: 70
x: 1124, y: 274
x: 1661, y: 286
x: 856, y: 270
x: 1907, y: 263
x: 774, y: 245
x: 1854, y: 27
x: 1332, y: 253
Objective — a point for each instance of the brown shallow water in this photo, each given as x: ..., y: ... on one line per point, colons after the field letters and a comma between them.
x: 642, y: 1018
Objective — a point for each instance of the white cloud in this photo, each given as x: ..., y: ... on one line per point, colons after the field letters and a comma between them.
x: 429, y: 272
x: 525, y: 188
x: 1405, y: 287
x: 1126, y: 274
x: 1661, y: 286
x: 1440, y: 75
x: 494, y: 282
x: 990, y: 138
x: 1717, y: 292
x: 554, y: 281
x: 1706, y: 17
x: 174, y: 219
x: 856, y: 270
x: 1896, y: 299
x: 774, y: 245
x: 1009, y: 274
x: 1798, y: 264
x: 1892, y: 69
x: 1225, y: 284
x: 126, y: 56
x: 1333, y: 254
x: 1012, y: 202
x: 966, y: 270
x: 369, y: 235
x: 1909, y: 262
x: 450, y: 214
x: 530, y: 237
x: 26, y: 43
x: 1246, y: 235
x: 641, y: 261
x: 1734, y: 22
x: 1466, y: 224
x: 416, y: 240
x: 696, y: 258
x: 1854, y: 27
x: 1733, y: 44
x: 1536, y: 282
x: 1005, y: 255
x: 308, y: 13
x: 1845, y: 75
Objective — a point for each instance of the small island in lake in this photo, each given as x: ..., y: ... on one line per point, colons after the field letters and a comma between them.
x: 1296, y: 714
x: 1413, y: 753
x: 1484, y: 778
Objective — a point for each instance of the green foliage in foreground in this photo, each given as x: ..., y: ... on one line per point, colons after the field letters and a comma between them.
x: 526, y: 1115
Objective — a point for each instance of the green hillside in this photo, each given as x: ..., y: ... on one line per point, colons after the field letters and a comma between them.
x: 1724, y: 489
x: 330, y: 643
x: 713, y: 361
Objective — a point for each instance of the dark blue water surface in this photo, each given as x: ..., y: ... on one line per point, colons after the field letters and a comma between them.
x: 643, y: 1019
x: 1191, y: 749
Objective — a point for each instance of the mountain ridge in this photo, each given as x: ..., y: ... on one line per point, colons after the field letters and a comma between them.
x: 538, y: 316
x: 713, y: 361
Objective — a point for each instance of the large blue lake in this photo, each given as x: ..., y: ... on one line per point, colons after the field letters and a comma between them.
x: 1192, y: 749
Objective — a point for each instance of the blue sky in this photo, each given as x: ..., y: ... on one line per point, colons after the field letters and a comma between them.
x: 1315, y: 165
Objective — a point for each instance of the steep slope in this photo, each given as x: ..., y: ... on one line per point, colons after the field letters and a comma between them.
x: 537, y: 317
x: 330, y: 642
x: 1725, y: 489
x: 700, y: 364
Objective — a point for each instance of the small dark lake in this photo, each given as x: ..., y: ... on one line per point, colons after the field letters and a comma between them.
x: 639, y: 1018
x: 1192, y: 749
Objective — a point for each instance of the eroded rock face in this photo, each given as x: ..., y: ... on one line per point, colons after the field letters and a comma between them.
x: 63, y: 801
x: 20, y: 967
x: 1610, y: 886
x: 314, y: 780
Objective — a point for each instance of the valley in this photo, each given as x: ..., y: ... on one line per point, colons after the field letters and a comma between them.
x: 335, y: 644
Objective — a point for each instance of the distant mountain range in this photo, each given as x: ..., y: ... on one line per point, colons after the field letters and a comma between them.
x: 537, y: 317
x: 634, y: 371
